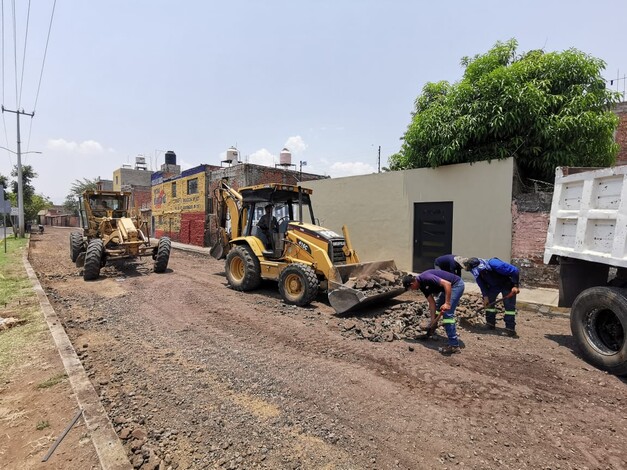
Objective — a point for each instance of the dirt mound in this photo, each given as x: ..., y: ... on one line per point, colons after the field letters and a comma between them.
x: 409, y: 320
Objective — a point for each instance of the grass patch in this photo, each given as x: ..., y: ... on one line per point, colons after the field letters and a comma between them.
x: 17, y: 299
x: 15, y: 283
x: 41, y: 425
x: 52, y: 381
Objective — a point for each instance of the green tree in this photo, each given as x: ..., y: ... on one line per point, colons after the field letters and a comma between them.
x: 71, y: 200
x: 28, y: 190
x: 543, y: 109
x: 37, y: 203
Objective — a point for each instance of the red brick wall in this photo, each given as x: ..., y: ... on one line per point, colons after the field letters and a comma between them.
x: 529, y: 234
x: 193, y: 228
x: 621, y: 133
x: 142, y: 198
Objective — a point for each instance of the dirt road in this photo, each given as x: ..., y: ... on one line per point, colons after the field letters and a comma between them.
x: 196, y: 375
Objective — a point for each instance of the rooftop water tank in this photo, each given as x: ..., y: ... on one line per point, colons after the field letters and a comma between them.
x: 285, y: 158
x: 232, y: 155
x: 170, y: 158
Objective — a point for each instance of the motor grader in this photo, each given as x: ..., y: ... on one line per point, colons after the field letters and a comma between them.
x: 112, y: 233
x: 298, y: 253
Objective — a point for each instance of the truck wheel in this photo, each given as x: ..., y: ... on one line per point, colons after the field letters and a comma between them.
x: 298, y: 284
x: 163, y: 255
x: 93, y: 259
x: 598, y: 321
x: 243, y: 271
x: 76, y: 245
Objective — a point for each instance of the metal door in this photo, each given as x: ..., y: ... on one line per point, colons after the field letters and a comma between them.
x: 433, y: 233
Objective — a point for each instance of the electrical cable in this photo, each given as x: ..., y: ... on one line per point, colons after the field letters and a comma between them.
x: 19, y: 101
x: 43, y: 63
x: 41, y: 74
x: 15, y: 49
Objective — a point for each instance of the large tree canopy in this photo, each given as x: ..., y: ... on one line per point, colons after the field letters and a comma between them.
x: 543, y: 109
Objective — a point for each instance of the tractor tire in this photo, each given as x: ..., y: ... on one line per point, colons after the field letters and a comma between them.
x: 76, y: 245
x: 243, y: 271
x: 93, y: 259
x: 598, y: 321
x: 163, y: 255
x: 298, y: 284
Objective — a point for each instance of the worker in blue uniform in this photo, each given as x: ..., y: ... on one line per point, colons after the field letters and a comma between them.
x: 443, y: 291
x: 449, y: 264
x: 496, y: 277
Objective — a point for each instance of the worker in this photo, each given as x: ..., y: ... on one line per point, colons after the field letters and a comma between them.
x: 268, y: 224
x: 449, y: 264
x: 494, y: 276
x: 449, y: 289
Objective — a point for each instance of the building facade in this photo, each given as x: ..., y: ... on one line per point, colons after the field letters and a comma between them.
x: 184, y: 206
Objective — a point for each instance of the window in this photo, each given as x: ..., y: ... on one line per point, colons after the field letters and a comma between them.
x: 192, y: 186
x: 174, y: 189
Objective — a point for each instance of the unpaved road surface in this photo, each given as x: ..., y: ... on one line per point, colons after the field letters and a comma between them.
x: 196, y: 375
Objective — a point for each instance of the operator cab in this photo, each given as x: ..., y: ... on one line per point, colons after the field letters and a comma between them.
x: 290, y: 204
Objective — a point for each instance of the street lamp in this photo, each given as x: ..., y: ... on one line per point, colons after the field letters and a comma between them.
x: 20, y: 189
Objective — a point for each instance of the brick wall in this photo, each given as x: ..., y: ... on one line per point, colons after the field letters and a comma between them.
x: 529, y: 229
x: 192, y: 228
x: 621, y: 133
x: 528, y: 233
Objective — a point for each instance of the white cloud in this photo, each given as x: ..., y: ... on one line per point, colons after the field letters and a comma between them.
x: 339, y: 169
x: 296, y: 144
x: 87, y: 147
x: 262, y: 157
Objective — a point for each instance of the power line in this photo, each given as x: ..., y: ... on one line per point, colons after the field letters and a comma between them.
x: 43, y: 63
x: 41, y: 74
x: 15, y: 47
x: 19, y: 101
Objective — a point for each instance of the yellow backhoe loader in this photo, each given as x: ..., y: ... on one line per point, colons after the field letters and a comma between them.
x: 294, y: 250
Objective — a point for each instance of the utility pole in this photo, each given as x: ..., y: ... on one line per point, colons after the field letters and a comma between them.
x: 379, y: 160
x: 20, y: 183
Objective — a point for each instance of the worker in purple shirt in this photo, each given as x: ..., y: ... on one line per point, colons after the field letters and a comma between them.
x: 449, y: 264
x: 448, y: 288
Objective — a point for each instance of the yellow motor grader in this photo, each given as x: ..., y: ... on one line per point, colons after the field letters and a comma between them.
x: 294, y: 250
x: 110, y: 233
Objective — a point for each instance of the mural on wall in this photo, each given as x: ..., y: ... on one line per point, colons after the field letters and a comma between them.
x: 168, y: 210
x: 158, y: 198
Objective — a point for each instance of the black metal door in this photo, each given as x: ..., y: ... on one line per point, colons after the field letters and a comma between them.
x: 433, y: 233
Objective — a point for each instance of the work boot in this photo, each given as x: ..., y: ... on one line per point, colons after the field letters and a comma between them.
x: 448, y: 350
x: 490, y: 326
x: 511, y: 333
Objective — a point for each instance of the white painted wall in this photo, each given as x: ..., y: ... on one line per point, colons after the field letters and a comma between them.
x: 378, y: 209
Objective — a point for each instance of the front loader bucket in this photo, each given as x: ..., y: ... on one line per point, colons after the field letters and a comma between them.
x: 361, y: 284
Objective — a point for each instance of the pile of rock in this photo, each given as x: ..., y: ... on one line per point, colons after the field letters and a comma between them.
x: 409, y: 320
x: 381, y: 281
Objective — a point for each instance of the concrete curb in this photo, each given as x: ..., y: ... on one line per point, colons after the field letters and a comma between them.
x: 111, y: 453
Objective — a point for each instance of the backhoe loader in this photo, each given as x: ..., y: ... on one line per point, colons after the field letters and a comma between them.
x: 302, y: 256
x: 110, y: 233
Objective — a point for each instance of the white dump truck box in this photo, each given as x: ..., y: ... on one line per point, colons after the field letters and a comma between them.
x: 589, y: 216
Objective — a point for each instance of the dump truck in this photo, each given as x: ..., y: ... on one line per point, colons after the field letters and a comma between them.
x: 111, y: 233
x: 587, y: 236
x: 296, y: 251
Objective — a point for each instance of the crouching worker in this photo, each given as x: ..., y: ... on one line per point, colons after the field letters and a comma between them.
x: 449, y: 288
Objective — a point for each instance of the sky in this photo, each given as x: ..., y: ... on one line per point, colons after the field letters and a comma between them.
x: 331, y: 80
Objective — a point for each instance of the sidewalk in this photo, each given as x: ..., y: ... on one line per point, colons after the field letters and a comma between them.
x: 533, y: 297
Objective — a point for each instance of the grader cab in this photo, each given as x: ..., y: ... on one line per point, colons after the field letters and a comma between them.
x: 294, y: 250
x: 111, y: 233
